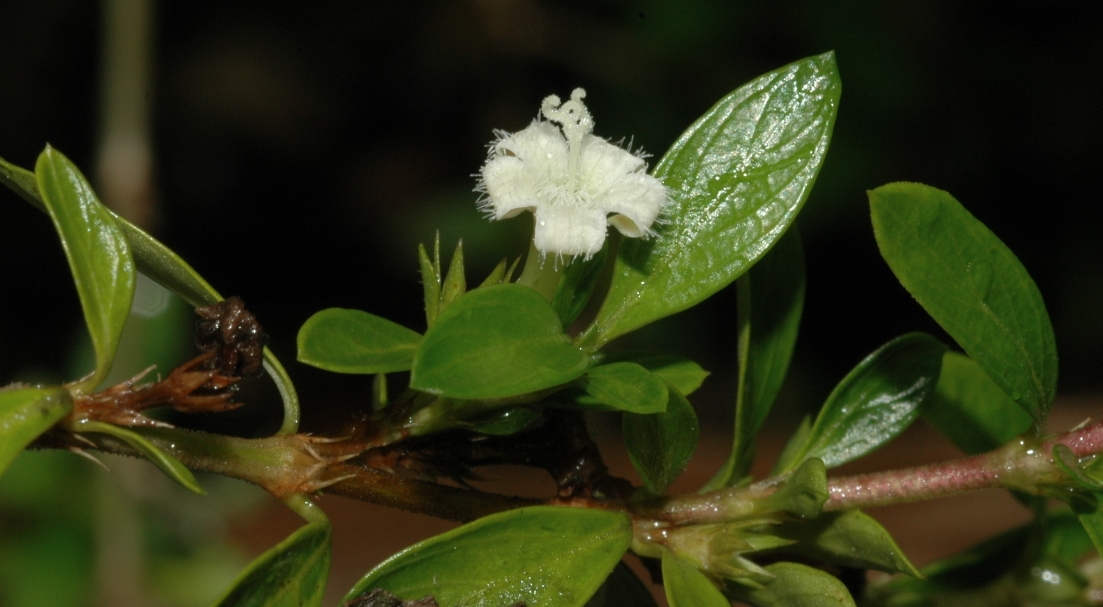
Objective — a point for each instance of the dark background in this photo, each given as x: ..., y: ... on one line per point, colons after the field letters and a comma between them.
x: 303, y: 150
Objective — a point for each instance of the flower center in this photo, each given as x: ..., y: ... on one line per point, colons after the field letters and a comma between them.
x: 575, y: 121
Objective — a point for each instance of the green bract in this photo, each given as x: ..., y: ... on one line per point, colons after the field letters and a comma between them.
x: 497, y: 341
x: 973, y: 285
x: 737, y: 179
x: 686, y: 586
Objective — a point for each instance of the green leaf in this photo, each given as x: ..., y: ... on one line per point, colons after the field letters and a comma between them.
x: 505, y: 422
x: 576, y: 285
x: 496, y: 341
x: 848, y: 538
x: 160, y: 263
x: 803, y: 494
x: 543, y: 556
x: 661, y: 444
x: 291, y: 574
x: 686, y: 586
x: 737, y: 179
x: 1093, y: 526
x: 970, y: 409
x: 875, y: 402
x: 351, y: 341
x: 972, y: 285
x: 795, y: 585
x: 678, y: 371
x: 430, y: 282
x: 167, y: 463
x: 771, y: 298
x: 626, y: 387
x: 98, y: 254
x: 455, y: 283
x: 497, y: 275
x: 622, y: 589
x: 25, y: 413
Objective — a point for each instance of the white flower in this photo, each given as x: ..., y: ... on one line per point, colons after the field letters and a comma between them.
x: 574, y: 182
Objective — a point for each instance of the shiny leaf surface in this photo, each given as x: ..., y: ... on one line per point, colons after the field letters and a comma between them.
x: 972, y: 285
x: 291, y: 574
x: 541, y: 555
x: 737, y: 178
x: 875, y: 402
x: 796, y: 585
x: 98, y: 253
x: 849, y: 538
x: 678, y: 371
x: 626, y: 387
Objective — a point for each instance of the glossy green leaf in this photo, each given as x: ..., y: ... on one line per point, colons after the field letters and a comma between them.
x: 686, y: 586
x: 25, y: 413
x: 970, y: 409
x: 98, y: 254
x: 455, y: 282
x: 291, y: 574
x: 167, y: 463
x: 543, y: 556
x: 770, y: 300
x: 678, y: 371
x: 496, y: 341
x: 622, y: 589
x: 737, y: 178
x: 160, y: 263
x: 661, y: 444
x: 972, y: 285
x: 351, y: 341
x: 875, y: 402
x: 848, y: 538
x: 795, y: 585
x: 576, y: 285
x: 626, y: 387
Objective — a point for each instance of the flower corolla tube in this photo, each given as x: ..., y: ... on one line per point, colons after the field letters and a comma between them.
x: 575, y: 183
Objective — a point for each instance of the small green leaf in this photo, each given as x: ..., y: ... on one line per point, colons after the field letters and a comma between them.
x: 1093, y: 526
x: 875, y: 402
x: 622, y: 589
x: 1066, y: 460
x: 25, y: 413
x: 970, y: 409
x: 661, y: 444
x: 379, y: 398
x: 291, y: 574
x: 848, y: 538
x: 493, y: 342
x: 430, y: 282
x: 771, y: 298
x: 737, y: 178
x: 505, y: 422
x: 678, y: 371
x: 167, y: 463
x: 686, y: 586
x: 497, y: 276
x: 455, y: 283
x: 98, y: 254
x: 351, y: 341
x: 972, y: 285
x: 543, y: 556
x: 576, y: 285
x: 626, y: 387
x: 803, y: 494
x: 795, y: 585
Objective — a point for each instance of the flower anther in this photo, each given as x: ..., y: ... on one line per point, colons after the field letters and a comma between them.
x: 574, y: 182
